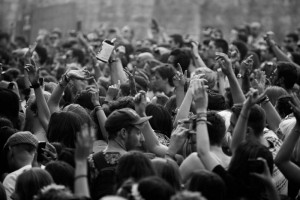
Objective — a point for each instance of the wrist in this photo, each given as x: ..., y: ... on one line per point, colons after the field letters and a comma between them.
x: 201, y: 110
x: 96, y: 103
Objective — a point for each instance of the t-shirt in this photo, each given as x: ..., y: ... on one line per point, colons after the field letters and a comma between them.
x: 280, y: 181
x: 9, y: 182
x: 192, y: 163
x: 102, y: 167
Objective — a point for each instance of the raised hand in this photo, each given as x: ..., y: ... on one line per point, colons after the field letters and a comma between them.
x: 84, y: 143
x: 225, y: 63
x: 194, y: 47
x: 246, y: 65
x: 30, y: 51
x: 269, y: 39
x: 113, y: 91
x: 49, y: 153
x: 178, y: 137
x: 94, y: 92
x: 252, y: 98
x: 32, y: 72
x: 200, y: 95
x: 259, y: 81
x: 179, y: 78
x: 140, y: 102
x: 82, y: 74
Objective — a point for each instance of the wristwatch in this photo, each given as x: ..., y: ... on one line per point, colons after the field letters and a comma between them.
x: 239, y: 76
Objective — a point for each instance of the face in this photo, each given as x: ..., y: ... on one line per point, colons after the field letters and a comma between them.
x: 172, y: 44
x: 69, y: 57
x: 212, y: 49
x: 134, y: 138
x: 233, y: 121
x: 234, y: 52
x: 289, y: 42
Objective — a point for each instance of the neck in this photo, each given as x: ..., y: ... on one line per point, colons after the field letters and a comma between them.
x: 116, y: 145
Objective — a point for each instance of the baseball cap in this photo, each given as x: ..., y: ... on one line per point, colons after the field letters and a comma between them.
x: 122, y: 118
x: 24, y: 137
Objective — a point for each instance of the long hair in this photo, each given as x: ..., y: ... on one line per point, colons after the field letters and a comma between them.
x: 30, y: 182
x: 133, y: 165
x: 238, y: 166
x: 63, y: 127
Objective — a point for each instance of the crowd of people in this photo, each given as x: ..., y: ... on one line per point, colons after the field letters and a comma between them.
x: 167, y: 117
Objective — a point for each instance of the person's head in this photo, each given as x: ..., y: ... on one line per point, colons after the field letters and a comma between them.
x: 291, y: 40
x: 286, y: 75
x: 80, y: 111
x: 218, y: 45
x: 143, y: 58
x: 164, y: 75
x: 9, y: 106
x: 152, y: 188
x: 30, y: 182
x: 256, y: 120
x: 161, y: 120
x: 63, y: 127
x: 241, y: 48
x: 255, y: 29
x: 208, y: 183
x: 181, y: 57
x: 176, y: 41
x: 21, y: 148
x: 216, y: 129
x: 160, y: 99
x: 55, y: 192
x: 41, y: 54
x: 266, y: 53
x: 239, y: 166
x: 62, y: 173
x: 75, y: 55
x: 125, y: 125
x: 274, y: 92
x: 168, y: 170
x: 133, y: 165
x: 127, y: 33
x: 283, y: 106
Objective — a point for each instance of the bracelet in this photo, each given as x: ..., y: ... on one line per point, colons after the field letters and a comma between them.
x: 266, y: 100
x: 80, y: 176
x: 97, y: 108
x: 35, y: 85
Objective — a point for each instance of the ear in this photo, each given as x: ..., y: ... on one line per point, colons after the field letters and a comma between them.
x: 123, y: 133
x: 249, y: 130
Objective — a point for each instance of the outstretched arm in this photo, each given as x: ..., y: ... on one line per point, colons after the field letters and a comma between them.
x: 283, y: 159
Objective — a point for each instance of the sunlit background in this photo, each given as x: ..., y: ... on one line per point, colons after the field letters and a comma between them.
x: 26, y: 17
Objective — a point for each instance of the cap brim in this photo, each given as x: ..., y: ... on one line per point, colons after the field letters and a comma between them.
x: 142, y: 120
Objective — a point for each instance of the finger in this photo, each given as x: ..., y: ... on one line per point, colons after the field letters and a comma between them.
x: 118, y: 85
x: 179, y: 68
x: 185, y: 73
x: 266, y: 168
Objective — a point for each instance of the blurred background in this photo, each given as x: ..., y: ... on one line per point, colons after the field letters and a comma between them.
x: 27, y: 17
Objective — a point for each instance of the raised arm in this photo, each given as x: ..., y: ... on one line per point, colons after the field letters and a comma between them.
x: 283, y: 159
x: 226, y: 66
x: 116, y: 69
x: 151, y: 140
x: 197, y: 58
x: 83, y: 149
x: 43, y: 110
x: 57, y: 93
x: 273, y: 118
x: 179, y: 81
x: 101, y: 117
x: 239, y: 132
x: 203, y: 144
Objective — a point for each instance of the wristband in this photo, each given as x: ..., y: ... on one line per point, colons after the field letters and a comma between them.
x: 80, y: 176
x: 97, y: 108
